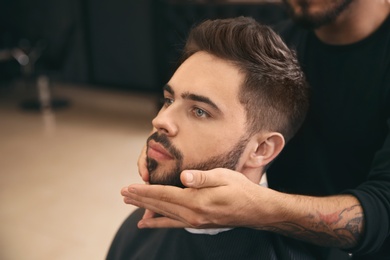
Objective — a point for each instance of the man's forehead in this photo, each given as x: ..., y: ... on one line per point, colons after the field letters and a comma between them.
x: 206, y: 75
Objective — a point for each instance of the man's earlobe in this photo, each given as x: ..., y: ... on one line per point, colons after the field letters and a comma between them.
x: 268, y: 147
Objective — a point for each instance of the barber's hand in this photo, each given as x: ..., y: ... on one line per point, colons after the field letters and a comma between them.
x: 143, y: 172
x: 215, y: 198
x: 142, y: 165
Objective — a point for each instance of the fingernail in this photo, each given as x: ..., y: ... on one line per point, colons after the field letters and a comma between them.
x: 132, y: 190
x: 141, y: 224
x: 189, y: 177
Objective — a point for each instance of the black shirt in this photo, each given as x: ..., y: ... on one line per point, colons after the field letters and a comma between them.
x: 344, y: 143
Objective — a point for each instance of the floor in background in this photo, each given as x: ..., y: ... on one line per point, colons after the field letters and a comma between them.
x: 61, y: 173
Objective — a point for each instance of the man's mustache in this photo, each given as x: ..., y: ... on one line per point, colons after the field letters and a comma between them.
x: 166, y: 143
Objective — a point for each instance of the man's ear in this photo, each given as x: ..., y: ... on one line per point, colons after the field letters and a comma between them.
x: 264, y: 149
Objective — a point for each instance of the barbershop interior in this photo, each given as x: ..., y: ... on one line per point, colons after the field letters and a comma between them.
x: 80, y: 83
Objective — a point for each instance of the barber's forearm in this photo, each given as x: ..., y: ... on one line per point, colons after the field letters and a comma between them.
x: 335, y: 221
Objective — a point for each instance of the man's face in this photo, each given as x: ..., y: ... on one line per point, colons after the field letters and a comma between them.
x: 313, y: 14
x: 202, y: 125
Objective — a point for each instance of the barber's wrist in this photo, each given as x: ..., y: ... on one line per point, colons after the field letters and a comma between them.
x: 273, y: 206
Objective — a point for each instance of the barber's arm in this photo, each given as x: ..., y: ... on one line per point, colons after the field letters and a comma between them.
x: 221, y: 197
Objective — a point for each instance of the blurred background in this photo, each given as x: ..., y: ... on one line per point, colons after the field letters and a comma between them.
x: 79, y: 84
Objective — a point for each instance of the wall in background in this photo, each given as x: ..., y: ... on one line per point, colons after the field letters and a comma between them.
x: 120, y: 43
x: 131, y: 45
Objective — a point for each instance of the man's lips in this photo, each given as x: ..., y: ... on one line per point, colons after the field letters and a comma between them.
x: 157, y: 151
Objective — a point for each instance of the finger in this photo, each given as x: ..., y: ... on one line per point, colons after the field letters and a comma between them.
x: 161, y: 222
x: 204, y: 179
x: 171, y: 205
x: 124, y: 191
x: 142, y: 165
x: 148, y: 214
x: 167, y: 210
x: 159, y: 192
x: 154, y: 205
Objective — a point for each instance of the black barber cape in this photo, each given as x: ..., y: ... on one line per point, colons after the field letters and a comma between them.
x: 238, y: 243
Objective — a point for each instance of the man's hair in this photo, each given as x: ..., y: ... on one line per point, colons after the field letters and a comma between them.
x: 274, y: 92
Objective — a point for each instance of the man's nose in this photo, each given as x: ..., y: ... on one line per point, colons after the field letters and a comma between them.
x: 165, y: 122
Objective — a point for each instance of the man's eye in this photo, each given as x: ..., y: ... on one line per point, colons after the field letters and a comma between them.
x: 168, y: 101
x: 200, y: 112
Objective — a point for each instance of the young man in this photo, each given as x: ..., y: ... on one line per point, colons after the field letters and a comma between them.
x: 340, y: 158
x: 232, y: 103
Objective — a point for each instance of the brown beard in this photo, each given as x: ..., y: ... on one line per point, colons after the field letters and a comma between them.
x: 312, y: 22
x: 227, y: 160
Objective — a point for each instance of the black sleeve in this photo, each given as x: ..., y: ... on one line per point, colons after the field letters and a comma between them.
x: 374, y: 193
x: 374, y: 196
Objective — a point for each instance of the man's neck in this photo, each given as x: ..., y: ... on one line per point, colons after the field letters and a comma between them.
x: 358, y: 21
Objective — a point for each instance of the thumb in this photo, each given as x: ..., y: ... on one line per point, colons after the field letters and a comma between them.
x: 204, y: 179
x: 142, y: 166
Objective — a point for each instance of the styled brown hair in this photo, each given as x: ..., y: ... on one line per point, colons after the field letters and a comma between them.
x: 274, y: 91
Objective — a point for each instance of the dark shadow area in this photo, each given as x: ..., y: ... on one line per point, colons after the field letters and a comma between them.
x: 121, y: 45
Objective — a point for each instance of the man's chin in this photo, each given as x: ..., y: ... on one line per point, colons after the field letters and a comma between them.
x: 161, y: 177
x: 176, y: 183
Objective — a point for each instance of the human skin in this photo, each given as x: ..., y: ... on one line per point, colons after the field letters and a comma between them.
x: 217, y: 198
x: 204, y: 120
x: 358, y: 21
x: 184, y: 119
x: 200, y: 101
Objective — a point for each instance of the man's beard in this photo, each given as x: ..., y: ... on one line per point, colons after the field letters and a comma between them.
x: 227, y: 160
x: 311, y: 22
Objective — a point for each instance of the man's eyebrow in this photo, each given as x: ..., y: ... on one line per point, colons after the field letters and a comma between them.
x: 200, y: 98
x: 193, y: 97
x: 168, y: 89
